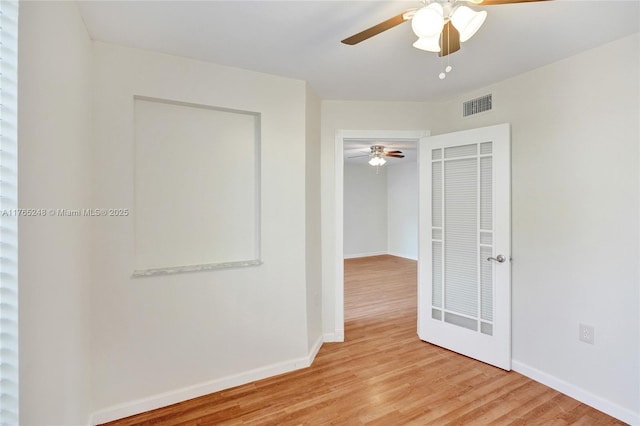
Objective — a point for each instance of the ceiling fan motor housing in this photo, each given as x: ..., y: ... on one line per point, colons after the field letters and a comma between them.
x: 377, y: 150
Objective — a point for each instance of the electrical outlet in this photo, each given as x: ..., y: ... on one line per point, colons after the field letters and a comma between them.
x: 586, y: 334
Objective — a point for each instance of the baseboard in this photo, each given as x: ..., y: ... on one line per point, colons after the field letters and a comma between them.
x: 315, y: 349
x: 336, y: 336
x: 377, y: 253
x: 402, y: 256
x: 577, y: 393
x: 162, y: 400
x: 357, y: 255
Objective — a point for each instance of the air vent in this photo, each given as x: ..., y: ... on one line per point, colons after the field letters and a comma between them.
x: 477, y: 105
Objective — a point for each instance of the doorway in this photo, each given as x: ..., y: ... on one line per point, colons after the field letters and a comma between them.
x: 342, y: 136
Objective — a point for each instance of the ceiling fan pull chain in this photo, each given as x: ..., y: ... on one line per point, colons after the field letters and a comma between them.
x: 448, y: 68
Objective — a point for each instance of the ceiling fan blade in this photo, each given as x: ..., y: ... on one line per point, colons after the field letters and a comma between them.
x: 493, y: 2
x: 394, y: 155
x: 375, y: 30
x: 449, y: 40
x: 394, y: 152
x: 358, y: 156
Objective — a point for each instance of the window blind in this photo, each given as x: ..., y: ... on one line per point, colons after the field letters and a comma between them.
x: 462, y: 236
x: 460, y: 232
x: 8, y: 213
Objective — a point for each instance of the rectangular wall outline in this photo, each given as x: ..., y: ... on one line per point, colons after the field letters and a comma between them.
x: 257, y: 255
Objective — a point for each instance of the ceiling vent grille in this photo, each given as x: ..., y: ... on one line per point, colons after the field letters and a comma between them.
x: 477, y: 105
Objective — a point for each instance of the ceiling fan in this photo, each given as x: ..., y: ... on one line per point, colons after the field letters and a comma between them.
x: 441, y: 25
x: 377, y: 154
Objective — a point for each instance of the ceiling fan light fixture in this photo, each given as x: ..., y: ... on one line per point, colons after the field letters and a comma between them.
x: 428, y: 21
x: 431, y: 44
x: 377, y: 161
x: 467, y: 21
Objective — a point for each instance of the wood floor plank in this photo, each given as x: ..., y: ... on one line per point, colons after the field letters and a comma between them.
x: 382, y: 375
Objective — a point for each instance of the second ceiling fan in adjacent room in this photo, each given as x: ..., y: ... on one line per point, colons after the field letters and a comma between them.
x: 377, y: 154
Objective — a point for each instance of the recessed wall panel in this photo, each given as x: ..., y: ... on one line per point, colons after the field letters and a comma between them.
x: 197, y: 192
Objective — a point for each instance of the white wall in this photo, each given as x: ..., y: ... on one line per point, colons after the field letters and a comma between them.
x: 312, y: 214
x: 93, y: 338
x: 365, y: 210
x: 54, y: 165
x: 386, y: 202
x: 575, y: 217
x: 575, y: 183
x: 204, y: 330
x: 402, y: 210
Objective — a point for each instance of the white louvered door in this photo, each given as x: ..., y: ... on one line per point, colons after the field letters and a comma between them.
x: 464, y: 290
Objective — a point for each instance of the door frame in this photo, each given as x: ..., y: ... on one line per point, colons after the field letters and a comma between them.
x: 340, y: 136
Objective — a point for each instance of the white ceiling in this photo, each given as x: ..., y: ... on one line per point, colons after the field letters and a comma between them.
x: 301, y: 39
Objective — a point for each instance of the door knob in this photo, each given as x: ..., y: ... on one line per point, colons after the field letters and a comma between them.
x: 499, y: 258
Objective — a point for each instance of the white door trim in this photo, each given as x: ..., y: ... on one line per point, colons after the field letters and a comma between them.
x: 340, y: 136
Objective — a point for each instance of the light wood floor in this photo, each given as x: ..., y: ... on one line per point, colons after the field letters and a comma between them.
x: 382, y: 375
